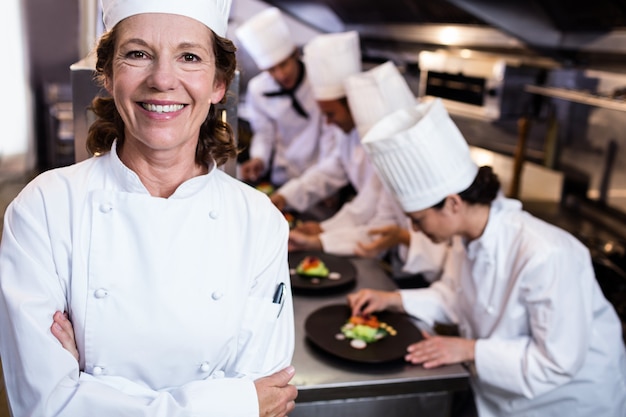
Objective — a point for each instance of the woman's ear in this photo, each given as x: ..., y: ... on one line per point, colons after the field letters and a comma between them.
x: 219, y: 89
x: 107, y: 84
x: 453, y: 202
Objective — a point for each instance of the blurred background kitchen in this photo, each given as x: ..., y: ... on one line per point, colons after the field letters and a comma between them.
x: 537, y: 86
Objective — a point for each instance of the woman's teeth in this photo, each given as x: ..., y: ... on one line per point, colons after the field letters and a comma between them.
x: 162, y: 109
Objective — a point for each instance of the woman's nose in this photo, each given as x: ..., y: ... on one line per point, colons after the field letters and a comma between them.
x: 162, y: 75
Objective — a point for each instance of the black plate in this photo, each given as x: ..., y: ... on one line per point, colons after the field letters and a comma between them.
x: 335, y: 264
x: 324, y: 324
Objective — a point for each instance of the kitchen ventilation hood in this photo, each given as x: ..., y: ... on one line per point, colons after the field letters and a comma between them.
x: 572, y: 32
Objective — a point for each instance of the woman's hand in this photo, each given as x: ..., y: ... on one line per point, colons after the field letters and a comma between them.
x: 64, y: 332
x: 436, y: 351
x: 368, y: 301
x: 276, y: 396
x: 279, y: 201
x: 384, y: 237
x: 309, y: 228
x: 302, y: 241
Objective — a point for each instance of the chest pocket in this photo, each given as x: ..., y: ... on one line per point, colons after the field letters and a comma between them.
x: 256, y: 334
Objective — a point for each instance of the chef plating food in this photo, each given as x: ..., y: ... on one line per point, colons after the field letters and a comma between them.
x: 535, y: 329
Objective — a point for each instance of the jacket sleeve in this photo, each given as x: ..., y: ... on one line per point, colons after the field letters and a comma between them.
x: 432, y: 304
x: 266, y: 342
x: 438, y: 302
x: 372, y: 207
x: 316, y: 183
x: 43, y: 379
x: 263, y: 128
x: 360, y: 210
x: 329, y: 141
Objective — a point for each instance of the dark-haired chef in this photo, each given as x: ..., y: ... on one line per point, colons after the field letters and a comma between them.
x: 535, y: 329
x: 329, y: 60
x: 353, y: 101
x: 289, y: 134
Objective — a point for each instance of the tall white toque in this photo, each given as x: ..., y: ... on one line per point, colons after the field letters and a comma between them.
x: 329, y: 60
x: 266, y: 37
x: 420, y: 155
x: 213, y: 13
x: 375, y: 93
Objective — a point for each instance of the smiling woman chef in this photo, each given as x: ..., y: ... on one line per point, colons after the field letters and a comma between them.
x: 166, y: 265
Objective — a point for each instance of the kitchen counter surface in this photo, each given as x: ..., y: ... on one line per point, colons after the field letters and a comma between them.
x: 322, y: 379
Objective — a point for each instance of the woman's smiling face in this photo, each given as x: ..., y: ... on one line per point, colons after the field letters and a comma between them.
x: 163, y: 80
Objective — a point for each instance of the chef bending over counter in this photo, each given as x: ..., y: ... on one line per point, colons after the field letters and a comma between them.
x: 534, y: 326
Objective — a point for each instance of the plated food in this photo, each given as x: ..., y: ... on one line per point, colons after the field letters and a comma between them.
x: 362, y: 330
x: 265, y: 187
x: 322, y: 327
x: 314, y: 271
x: 312, y: 266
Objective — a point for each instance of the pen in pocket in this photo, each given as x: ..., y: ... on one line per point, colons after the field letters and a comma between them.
x: 279, y: 293
x: 279, y: 297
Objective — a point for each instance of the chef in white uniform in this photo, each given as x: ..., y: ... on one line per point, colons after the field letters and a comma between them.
x: 535, y: 329
x: 174, y: 274
x: 365, y: 98
x: 289, y: 134
x: 330, y: 59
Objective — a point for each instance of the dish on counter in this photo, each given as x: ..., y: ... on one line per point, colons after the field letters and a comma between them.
x: 322, y: 326
x: 265, y: 187
x: 341, y: 272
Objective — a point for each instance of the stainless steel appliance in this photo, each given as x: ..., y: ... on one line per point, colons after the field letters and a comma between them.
x: 477, y: 84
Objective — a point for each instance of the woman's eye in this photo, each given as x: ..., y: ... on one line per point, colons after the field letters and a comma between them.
x: 136, y: 54
x: 190, y: 57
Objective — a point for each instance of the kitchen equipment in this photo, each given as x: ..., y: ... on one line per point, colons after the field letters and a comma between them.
x: 475, y: 84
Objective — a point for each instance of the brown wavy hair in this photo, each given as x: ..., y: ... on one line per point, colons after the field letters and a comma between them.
x: 216, y: 140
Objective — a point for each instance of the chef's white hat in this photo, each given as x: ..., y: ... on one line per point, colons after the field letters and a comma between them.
x: 266, y: 37
x: 376, y: 93
x: 213, y: 13
x: 420, y: 155
x: 329, y: 60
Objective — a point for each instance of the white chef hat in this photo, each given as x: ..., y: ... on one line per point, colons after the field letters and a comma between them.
x: 420, y: 155
x: 376, y: 93
x: 266, y: 37
x: 213, y: 13
x: 329, y: 60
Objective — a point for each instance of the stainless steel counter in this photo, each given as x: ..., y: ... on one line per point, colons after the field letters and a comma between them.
x: 330, y: 386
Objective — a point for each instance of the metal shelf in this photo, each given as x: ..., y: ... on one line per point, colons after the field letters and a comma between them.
x: 578, y: 97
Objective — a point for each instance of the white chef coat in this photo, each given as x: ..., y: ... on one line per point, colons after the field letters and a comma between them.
x: 282, y: 138
x: 348, y: 164
x: 548, y: 342
x: 352, y: 224
x: 372, y: 206
x: 170, y: 299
